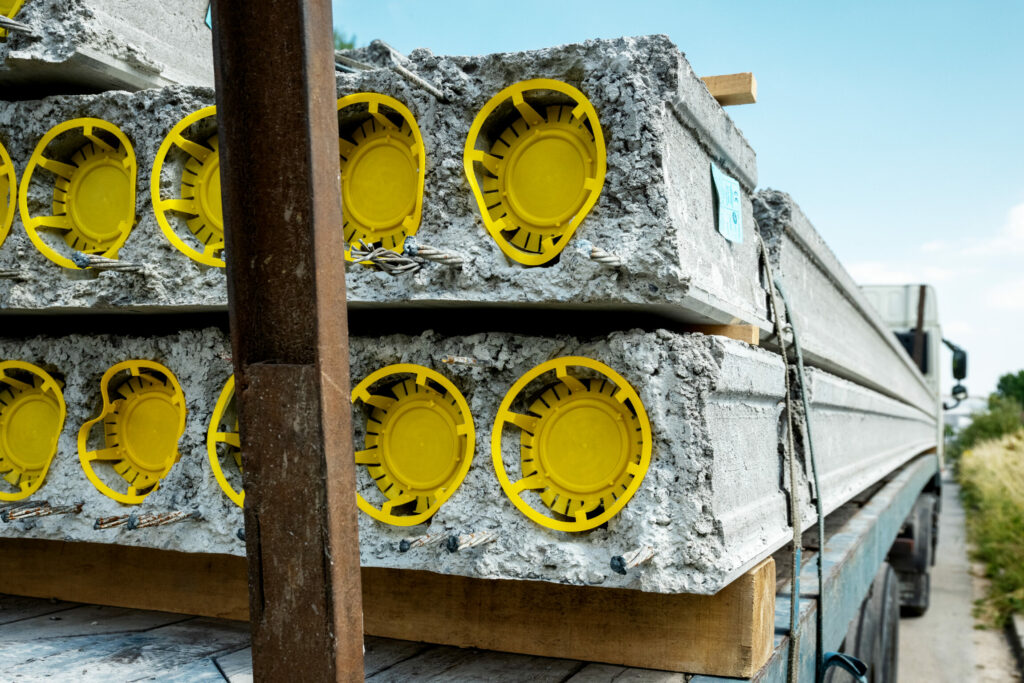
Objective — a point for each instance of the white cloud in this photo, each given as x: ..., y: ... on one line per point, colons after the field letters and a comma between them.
x: 1008, y: 296
x: 885, y: 273
x: 980, y: 285
x: 1009, y: 239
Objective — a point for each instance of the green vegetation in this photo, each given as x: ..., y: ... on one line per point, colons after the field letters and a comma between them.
x: 1002, y: 417
x: 1012, y: 386
x: 343, y: 42
x: 992, y: 476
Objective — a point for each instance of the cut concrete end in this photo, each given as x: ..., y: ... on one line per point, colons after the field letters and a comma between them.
x: 656, y: 212
x: 839, y: 329
x: 107, y: 45
x: 168, y: 280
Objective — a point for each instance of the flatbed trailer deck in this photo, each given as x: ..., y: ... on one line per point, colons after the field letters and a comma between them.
x: 43, y: 638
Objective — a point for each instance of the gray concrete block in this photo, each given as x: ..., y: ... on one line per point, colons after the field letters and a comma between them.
x: 169, y: 279
x: 656, y: 211
x: 839, y: 329
x: 710, y: 503
x: 83, y: 45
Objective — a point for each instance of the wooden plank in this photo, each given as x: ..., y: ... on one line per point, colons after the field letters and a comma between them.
x: 16, y: 607
x: 732, y: 89
x: 124, y: 576
x: 86, y: 620
x: 750, y: 334
x: 178, y: 652
x: 383, y: 653
x: 289, y: 332
x: 236, y: 666
x: 606, y: 673
x: 458, y: 664
x: 727, y: 634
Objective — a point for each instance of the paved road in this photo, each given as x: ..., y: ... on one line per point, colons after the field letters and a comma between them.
x: 944, y: 644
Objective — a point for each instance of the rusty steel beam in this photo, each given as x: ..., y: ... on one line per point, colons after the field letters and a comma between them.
x: 286, y: 291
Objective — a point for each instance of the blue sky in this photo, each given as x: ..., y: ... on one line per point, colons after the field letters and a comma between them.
x: 895, y: 125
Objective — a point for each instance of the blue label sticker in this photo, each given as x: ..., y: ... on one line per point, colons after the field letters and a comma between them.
x: 209, y: 15
x: 730, y: 209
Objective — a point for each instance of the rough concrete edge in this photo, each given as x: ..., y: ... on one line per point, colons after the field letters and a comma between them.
x: 723, y: 141
x: 809, y: 240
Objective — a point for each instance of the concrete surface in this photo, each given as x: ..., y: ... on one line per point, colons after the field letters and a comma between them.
x: 711, y: 500
x: 171, y: 280
x: 656, y: 211
x: 946, y: 644
x: 839, y: 330
x: 84, y: 45
x: 200, y: 362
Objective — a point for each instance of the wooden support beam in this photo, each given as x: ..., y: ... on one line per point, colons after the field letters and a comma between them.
x: 732, y: 89
x: 126, y: 576
x: 286, y: 295
x: 728, y: 634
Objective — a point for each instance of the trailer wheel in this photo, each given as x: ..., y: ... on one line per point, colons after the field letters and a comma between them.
x: 885, y: 666
x: 873, y: 635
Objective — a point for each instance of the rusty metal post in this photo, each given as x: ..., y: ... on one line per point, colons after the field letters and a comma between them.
x: 278, y: 135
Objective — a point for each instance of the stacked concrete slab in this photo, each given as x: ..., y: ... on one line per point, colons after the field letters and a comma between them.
x: 712, y: 503
x: 169, y: 280
x: 656, y: 211
x: 839, y: 329
x: 91, y: 45
x: 714, y: 500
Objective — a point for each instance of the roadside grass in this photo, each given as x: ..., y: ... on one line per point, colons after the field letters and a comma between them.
x: 992, y: 481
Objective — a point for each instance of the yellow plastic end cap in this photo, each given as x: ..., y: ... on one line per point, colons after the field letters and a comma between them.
x: 383, y: 166
x: 93, y: 190
x: 540, y: 174
x: 9, y: 8
x: 143, y: 419
x: 224, y: 430
x: 199, y: 200
x: 8, y: 193
x: 419, y: 442
x: 585, y: 444
x: 32, y: 413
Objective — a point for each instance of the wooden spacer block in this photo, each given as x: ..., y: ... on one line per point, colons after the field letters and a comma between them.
x: 728, y: 634
x: 732, y: 89
x: 126, y: 576
x: 750, y: 334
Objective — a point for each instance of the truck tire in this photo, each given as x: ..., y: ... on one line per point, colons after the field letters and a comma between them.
x: 915, y: 594
x: 873, y: 635
x: 886, y: 662
x: 913, y: 550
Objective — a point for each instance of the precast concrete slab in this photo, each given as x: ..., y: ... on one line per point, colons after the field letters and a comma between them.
x: 166, y: 279
x: 711, y: 502
x: 656, y: 212
x: 840, y: 331
x: 93, y: 45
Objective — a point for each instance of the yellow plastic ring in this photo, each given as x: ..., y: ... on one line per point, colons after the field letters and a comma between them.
x: 218, y: 434
x: 585, y: 445
x: 8, y: 193
x: 541, y: 175
x: 94, y: 192
x: 9, y: 8
x: 383, y: 167
x: 142, y: 428
x: 419, y: 442
x: 32, y: 417
x: 200, y: 194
